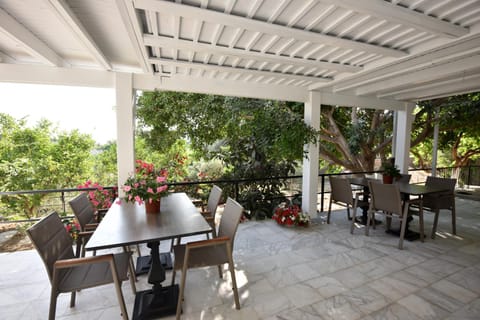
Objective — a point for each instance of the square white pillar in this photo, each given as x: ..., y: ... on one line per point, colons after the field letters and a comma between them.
x: 310, y: 164
x: 125, y: 104
x: 403, y: 137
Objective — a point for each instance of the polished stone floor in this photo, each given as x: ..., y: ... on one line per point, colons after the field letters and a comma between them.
x: 320, y: 272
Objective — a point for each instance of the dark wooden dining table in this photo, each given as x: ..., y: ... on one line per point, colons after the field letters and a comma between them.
x: 406, y: 190
x: 128, y: 224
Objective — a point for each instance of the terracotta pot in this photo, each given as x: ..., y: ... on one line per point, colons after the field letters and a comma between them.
x: 387, y: 179
x: 152, y: 207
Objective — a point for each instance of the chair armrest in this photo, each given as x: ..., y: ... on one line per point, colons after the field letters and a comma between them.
x: 210, y: 242
x: 209, y: 219
x: 85, y: 233
x: 68, y: 263
x: 206, y: 212
x: 91, y: 226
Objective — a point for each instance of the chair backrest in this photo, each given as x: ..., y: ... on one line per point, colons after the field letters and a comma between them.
x: 443, y: 200
x: 82, y: 209
x: 230, y: 219
x: 214, y: 199
x: 404, y: 178
x: 51, y: 240
x: 341, y: 190
x: 385, y: 197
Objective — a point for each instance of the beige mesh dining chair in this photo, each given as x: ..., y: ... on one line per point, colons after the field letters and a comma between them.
x: 386, y: 199
x: 210, y: 211
x: 210, y: 252
x: 342, y: 194
x: 441, y: 201
x: 87, y: 219
x: 70, y: 274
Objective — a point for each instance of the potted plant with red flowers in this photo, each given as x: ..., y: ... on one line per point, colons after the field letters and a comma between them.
x: 147, y: 185
x: 290, y: 215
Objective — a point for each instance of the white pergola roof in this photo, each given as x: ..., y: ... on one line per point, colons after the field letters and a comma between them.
x: 355, y: 52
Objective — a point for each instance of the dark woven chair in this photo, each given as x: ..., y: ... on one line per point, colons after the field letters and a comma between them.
x: 70, y: 274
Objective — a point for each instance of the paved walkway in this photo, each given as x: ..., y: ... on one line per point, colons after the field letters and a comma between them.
x: 320, y: 272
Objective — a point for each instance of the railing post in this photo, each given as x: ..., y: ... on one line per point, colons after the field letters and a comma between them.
x: 62, y: 198
x: 469, y: 176
x: 236, y: 191
x: 322, y: 192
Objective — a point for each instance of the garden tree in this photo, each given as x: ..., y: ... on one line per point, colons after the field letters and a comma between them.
x: 105, y: 164
x: 39, y: 158
x: 459, y: 135
x: 352, y: 138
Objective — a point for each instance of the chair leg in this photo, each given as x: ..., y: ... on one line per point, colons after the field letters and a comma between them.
x: 131, y: 270
x: 403, y: 227
x: 354, y: 217
x: 329, y: 210
x: 421, y: 225
x: 367, y: 227
x: 220, y: 273
x: 435, y: 223
x: 182, y: 288
x: 118, y: 289
x: 72, y: 299
x: 138, y: 250
x: 231, y: 266
x: 53, y: 304
x: 348, y: 212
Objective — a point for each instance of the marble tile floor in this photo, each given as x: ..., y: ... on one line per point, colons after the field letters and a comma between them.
x: 320, y: 272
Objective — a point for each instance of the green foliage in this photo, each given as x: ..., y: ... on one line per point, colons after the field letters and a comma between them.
x: 253, y: 138
x: 39, y: 158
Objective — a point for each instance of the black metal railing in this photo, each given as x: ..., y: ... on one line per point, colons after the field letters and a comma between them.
x: 57, y: 199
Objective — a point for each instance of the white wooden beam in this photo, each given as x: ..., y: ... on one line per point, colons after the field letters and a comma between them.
x: 398, y: 14
x: 256, y: 25
x: 211, y: 67
x: 223, y: 87
x: 34, y: 46
x: 71, y: 20
x: 456, y: 48
x: 344, y: 100
x: 40, y: 74
x: 125, y: 112
x: 462, y: 84
x: 130, y: 21
x: 310, y: 164
x: 244, y: 54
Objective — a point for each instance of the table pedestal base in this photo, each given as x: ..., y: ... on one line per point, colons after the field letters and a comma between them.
x: 150, y: 304
x: 409, y: 234
x: 144, y: 262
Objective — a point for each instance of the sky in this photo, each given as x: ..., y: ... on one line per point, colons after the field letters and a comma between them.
x: 90, y: 110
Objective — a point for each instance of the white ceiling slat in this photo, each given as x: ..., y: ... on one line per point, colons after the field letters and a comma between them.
x: 243, y: 54
x: 209, y: 67
x: 396, y: 36
x: 409, y: 40
x: 254, y: 8
x: 353, y: 26
x: 152, y: 17
x: 197, y: 29
x: 29, y: 42
x: 66, y: 14
x: 404, y: 16
x: 337, y: 21
x: 282, y: 5
x: 438, y: 4
x: 300, y: 13
x: 365, y: 31
x: 320, y: 17
x: 456, y: 8
x: 465, y: 15
x: 269, y: 43
x: 255, y: 25
x: 421, y: 75
x: 129, y: 19
x: 384, y: 32
x: 416, y: 4
x: 236, y: 36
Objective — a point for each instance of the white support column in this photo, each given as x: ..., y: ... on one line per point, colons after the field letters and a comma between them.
x: 403, y: 137
x: 125, y: 109
x: 310, y: 165
x: 435, y: 144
